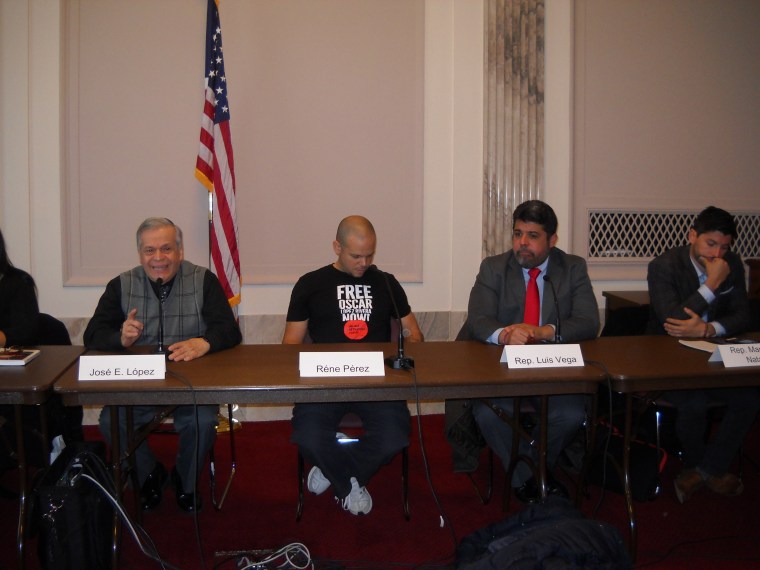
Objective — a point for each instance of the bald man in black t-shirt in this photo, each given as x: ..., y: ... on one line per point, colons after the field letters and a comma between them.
x: 349, y: 301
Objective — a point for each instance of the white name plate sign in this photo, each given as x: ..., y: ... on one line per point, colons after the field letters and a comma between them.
x: 123, y: 367
x: 542, y: 355
x: 735, y: 355
x: 316, y: 364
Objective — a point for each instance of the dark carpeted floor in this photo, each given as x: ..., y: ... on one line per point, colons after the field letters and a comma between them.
x: 707, y: 532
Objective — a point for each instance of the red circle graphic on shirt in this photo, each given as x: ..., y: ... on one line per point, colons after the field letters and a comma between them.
x: 355, y: 330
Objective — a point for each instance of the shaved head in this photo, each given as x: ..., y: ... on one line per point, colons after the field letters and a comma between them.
x: 354, y: 225
x: 354, y: 245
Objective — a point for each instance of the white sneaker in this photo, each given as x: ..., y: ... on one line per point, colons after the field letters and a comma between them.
x: 358, y: 501
x: 316, y: 482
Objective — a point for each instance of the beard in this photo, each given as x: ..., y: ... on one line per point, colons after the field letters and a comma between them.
x: 527, y: 260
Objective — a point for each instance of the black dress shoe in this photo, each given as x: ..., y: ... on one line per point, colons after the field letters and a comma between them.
x: 188, y: 502
x: 153, y: 489
x: 529, y: 492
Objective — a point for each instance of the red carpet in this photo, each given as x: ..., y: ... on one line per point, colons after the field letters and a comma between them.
x: 707, y: 532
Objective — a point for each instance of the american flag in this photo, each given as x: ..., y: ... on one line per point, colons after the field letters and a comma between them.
x: 215, y: 166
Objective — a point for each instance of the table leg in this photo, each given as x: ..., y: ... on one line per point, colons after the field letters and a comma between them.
x: 632, y: 546
x: 22, y: 484
x: 116, y: 466
x: 591, y: 424
x: 542, y: 443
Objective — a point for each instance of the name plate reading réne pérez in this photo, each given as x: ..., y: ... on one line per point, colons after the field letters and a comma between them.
x: 542, y: 355
x: 123, y: 367
x: 316, y: 364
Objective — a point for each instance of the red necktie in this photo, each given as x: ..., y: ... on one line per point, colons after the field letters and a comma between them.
x: 532, y: 301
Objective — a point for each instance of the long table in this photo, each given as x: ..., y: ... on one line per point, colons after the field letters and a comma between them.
x: 31, y: 385
x: 654, y: 363
x: 268, y: 374
x: 444, y: 370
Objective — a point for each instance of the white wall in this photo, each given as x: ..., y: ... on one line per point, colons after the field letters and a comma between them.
x: 31, y: 75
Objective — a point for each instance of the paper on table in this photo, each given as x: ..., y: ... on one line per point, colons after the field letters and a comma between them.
x: 705, y: 345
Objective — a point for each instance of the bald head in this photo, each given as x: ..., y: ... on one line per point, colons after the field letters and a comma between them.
x: 354, y: 245
x: 358, y: 226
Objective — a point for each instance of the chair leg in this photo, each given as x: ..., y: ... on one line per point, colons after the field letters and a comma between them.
x: 744, y: 456
x: 485, y: 498
x: 301, y: 484
x: 233, y: 466
x: 590, y: 432
x: 405, y: 482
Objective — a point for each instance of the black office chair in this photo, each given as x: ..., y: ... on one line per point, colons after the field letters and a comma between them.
x: 158, y: 427
x: 42, y: 422
x: 52, y: 331
x: 521, y: 419
x: 652, y: 423
x: 350, y: 425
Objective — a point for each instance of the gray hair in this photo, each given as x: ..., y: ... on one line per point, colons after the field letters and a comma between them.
x: 154, y: 224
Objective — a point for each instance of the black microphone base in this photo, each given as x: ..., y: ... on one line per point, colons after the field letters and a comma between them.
x: 162, y: 350
x: 400, y: 362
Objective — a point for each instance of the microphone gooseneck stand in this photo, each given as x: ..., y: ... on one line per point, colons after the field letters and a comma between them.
x: 558, y: 332
x: 400, y: 361
x: 160, y: 348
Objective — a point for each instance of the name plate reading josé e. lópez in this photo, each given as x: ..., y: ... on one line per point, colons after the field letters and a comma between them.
x: 316, y: 364
x: 542, y: 355
x: 735, y: 355
x: 123, y: 367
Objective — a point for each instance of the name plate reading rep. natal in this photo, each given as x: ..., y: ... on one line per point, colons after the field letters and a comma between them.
x: 123, y: 367
x: 542, y: 355
x: 735, y: 355
x: 320, y: 364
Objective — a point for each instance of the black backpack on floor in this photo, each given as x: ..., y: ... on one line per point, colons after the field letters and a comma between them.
x: 548, y: 535
x: 69, y: 511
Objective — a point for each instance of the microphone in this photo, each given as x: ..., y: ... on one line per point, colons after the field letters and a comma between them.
x: 160, y: 348
x: 557, y: 333
x: 400, y: 361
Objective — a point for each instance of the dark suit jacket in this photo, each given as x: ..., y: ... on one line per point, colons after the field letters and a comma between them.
x: 498, y: 297
x: 673, y: 285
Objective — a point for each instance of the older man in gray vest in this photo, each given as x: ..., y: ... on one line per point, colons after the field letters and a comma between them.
x: 197, y: 319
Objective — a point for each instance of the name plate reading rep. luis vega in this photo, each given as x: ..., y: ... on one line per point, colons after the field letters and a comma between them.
x: 123, y: 367
x: 320, y: 364
x: 542, y: 355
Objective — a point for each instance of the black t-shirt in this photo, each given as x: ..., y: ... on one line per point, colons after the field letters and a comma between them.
x: 344, y: 308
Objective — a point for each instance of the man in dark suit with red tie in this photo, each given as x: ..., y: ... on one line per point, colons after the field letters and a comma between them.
x: 512, y: 302
x: 698, y: 290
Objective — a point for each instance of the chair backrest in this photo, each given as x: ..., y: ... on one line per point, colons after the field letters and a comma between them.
x: 464, y: 332
x: 51, y: 331
x: 627, y: 321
